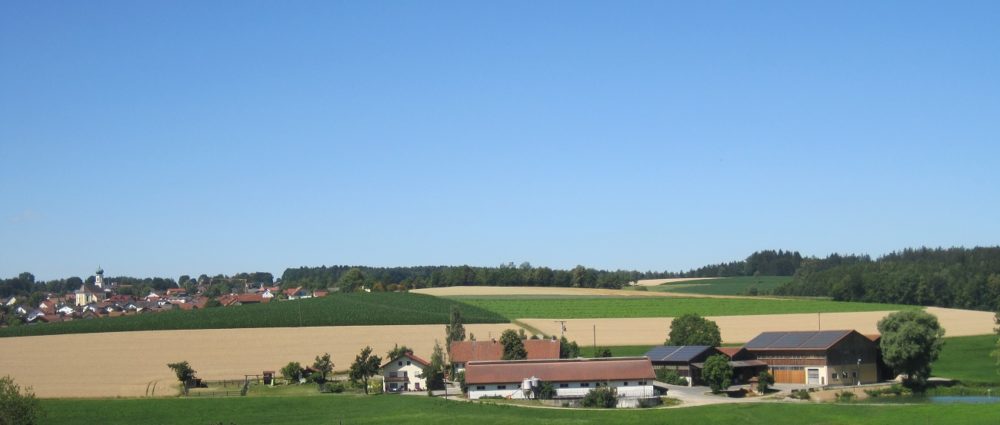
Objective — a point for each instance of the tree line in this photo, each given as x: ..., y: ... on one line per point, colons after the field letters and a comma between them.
x: 955, y: 277
x: 350, y: 278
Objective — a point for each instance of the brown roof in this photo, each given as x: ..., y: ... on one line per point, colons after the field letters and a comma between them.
x: 729, y: 351
x: 565, y: 370
x: 467, y: 351
x: 409, y: 355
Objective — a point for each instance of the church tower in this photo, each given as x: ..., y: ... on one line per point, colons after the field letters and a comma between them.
x: 99, y: 278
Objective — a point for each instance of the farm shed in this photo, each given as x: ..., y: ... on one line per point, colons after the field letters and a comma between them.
x: 680, y: 358
x: 463, y: 352
x: 632, y: 377
x: 840, y: 357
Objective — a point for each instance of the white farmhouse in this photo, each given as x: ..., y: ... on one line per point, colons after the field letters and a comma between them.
x: 632, y: 377
x: 404, y: 373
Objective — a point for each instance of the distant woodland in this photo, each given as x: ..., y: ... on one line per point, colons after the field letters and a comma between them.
x: 955, y: 277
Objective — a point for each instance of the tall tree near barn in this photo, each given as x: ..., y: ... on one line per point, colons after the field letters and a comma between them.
x: 911, y: 341
x: 454, y: 330
x: 692, y: 329
x: 364, y: 367
x: 513, y: 346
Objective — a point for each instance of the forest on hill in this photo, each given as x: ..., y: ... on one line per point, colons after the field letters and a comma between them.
x: 955, y: 277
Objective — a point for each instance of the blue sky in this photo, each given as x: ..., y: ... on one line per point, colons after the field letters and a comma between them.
x: 164, y: 138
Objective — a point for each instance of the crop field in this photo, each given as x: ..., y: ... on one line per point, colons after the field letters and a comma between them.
x: 134, y: 364
x: 333, y: 310
x: 608, y: 307
x: 968, y: 359
x: 724, y: 286
x: 394, y: 409
x: 740, y: 329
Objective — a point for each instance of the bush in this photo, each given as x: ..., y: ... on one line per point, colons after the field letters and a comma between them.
x: 641, y: 288
x: 670, y: 376
x: 331, y: 387
x: 800, y: 394
x: 894, y: 390
x: 18, y: 406
x: 292, y: 372
x: 546, y: 391
x: 845, y: 396
x: 604, y: 397
x: 764, y: 381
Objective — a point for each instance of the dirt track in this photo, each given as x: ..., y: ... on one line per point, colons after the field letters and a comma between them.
x: 656, y: 282
x: 736, y: 329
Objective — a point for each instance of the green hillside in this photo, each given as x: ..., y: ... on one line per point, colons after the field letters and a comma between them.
x: 726, y: 286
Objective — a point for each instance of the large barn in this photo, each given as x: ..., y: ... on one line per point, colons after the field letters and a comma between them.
x: 632, y: 377
x: 463, y: 352
x: 842, y: 357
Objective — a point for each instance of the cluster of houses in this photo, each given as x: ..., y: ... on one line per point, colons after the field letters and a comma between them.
x: 101, y: 300
x: 810, y: 358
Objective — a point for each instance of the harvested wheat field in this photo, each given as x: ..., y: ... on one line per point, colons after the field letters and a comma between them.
x: 128, y: 364
x: 737, y: 329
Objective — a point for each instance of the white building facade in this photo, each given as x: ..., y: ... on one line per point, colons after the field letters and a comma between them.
x: 404, y: 373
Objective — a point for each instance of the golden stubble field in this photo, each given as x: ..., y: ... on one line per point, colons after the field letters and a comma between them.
x: 737, y: 329
x: 126, y: 363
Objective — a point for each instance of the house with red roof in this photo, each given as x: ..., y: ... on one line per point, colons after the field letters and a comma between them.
x: 404, y: 373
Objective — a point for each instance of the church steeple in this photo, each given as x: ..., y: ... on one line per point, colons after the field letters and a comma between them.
x: 99, y: 278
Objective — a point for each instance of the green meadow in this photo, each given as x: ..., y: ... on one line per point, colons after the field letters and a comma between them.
x: 416, y: 410
x: 614, y: 307
x: 967, y: 359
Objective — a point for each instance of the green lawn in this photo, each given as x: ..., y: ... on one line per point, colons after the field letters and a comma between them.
x: 967, y: 359
x: 385, y: 308
x: 725, y: 286
x: 612, y: 307
x: 395, y: 409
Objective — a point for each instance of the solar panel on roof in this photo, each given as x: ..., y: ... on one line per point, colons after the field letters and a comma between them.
x: 791, y: 340
x: 824, y: 339
x: 662, y: 352
x: 687, y: 353
x: 764, y: 340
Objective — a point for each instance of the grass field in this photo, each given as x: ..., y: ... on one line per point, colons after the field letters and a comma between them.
x: 725, y: 286
x: 618, y: 350
x: 968, y: 359
x: 336, y: 309
x: 387, y: 409
x: 607, y: 307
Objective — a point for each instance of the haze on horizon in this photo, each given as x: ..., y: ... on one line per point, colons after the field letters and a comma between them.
x: 160, y: 139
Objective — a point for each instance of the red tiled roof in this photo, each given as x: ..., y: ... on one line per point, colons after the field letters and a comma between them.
x: 409, y: 355
x: 467, y: 351
x: 565, y: 370
x: 729, y: 351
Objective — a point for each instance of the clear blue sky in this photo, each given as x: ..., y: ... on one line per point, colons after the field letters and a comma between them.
x: 164, y: 138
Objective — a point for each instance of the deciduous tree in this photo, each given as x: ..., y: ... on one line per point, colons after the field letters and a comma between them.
x: 692, y: 329
x: 364, y: 367
x: 911, y: 341
x: 718, y: 373
x: 513, y: 346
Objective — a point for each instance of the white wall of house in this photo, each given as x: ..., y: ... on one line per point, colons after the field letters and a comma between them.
x: 401, y: 367
x: 563, y: 389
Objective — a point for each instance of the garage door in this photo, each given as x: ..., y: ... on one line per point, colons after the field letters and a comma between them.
x: 789, y: 375
x: 813, y: 376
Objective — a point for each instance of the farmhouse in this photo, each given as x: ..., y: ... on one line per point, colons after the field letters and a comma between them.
x: 843, y: 357
x: 462, y: 352
x: 632, y: 377
x: 404, y: 373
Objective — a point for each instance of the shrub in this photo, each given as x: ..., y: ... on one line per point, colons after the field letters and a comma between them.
x: 18, y: 406
x: 546, y: 391
x: 800, y: 394
x: 764, y: 381
x: 845, y: 396
x: 292, y: 372
x: 670, y: 376
x: 641, y: 288
x: 604, y: 397
x: 718, y: 373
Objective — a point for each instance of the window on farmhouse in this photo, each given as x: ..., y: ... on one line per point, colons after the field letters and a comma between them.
x: 480, y: 387
x: 400, y: 363
x: 626, y: 383
x: 563, y: 385
x: 407, y: 362
x: 501, y: 387
x: 584, y: 384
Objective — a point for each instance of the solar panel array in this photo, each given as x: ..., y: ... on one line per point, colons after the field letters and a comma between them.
x: 673, y: 353
x: 796, y: 340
